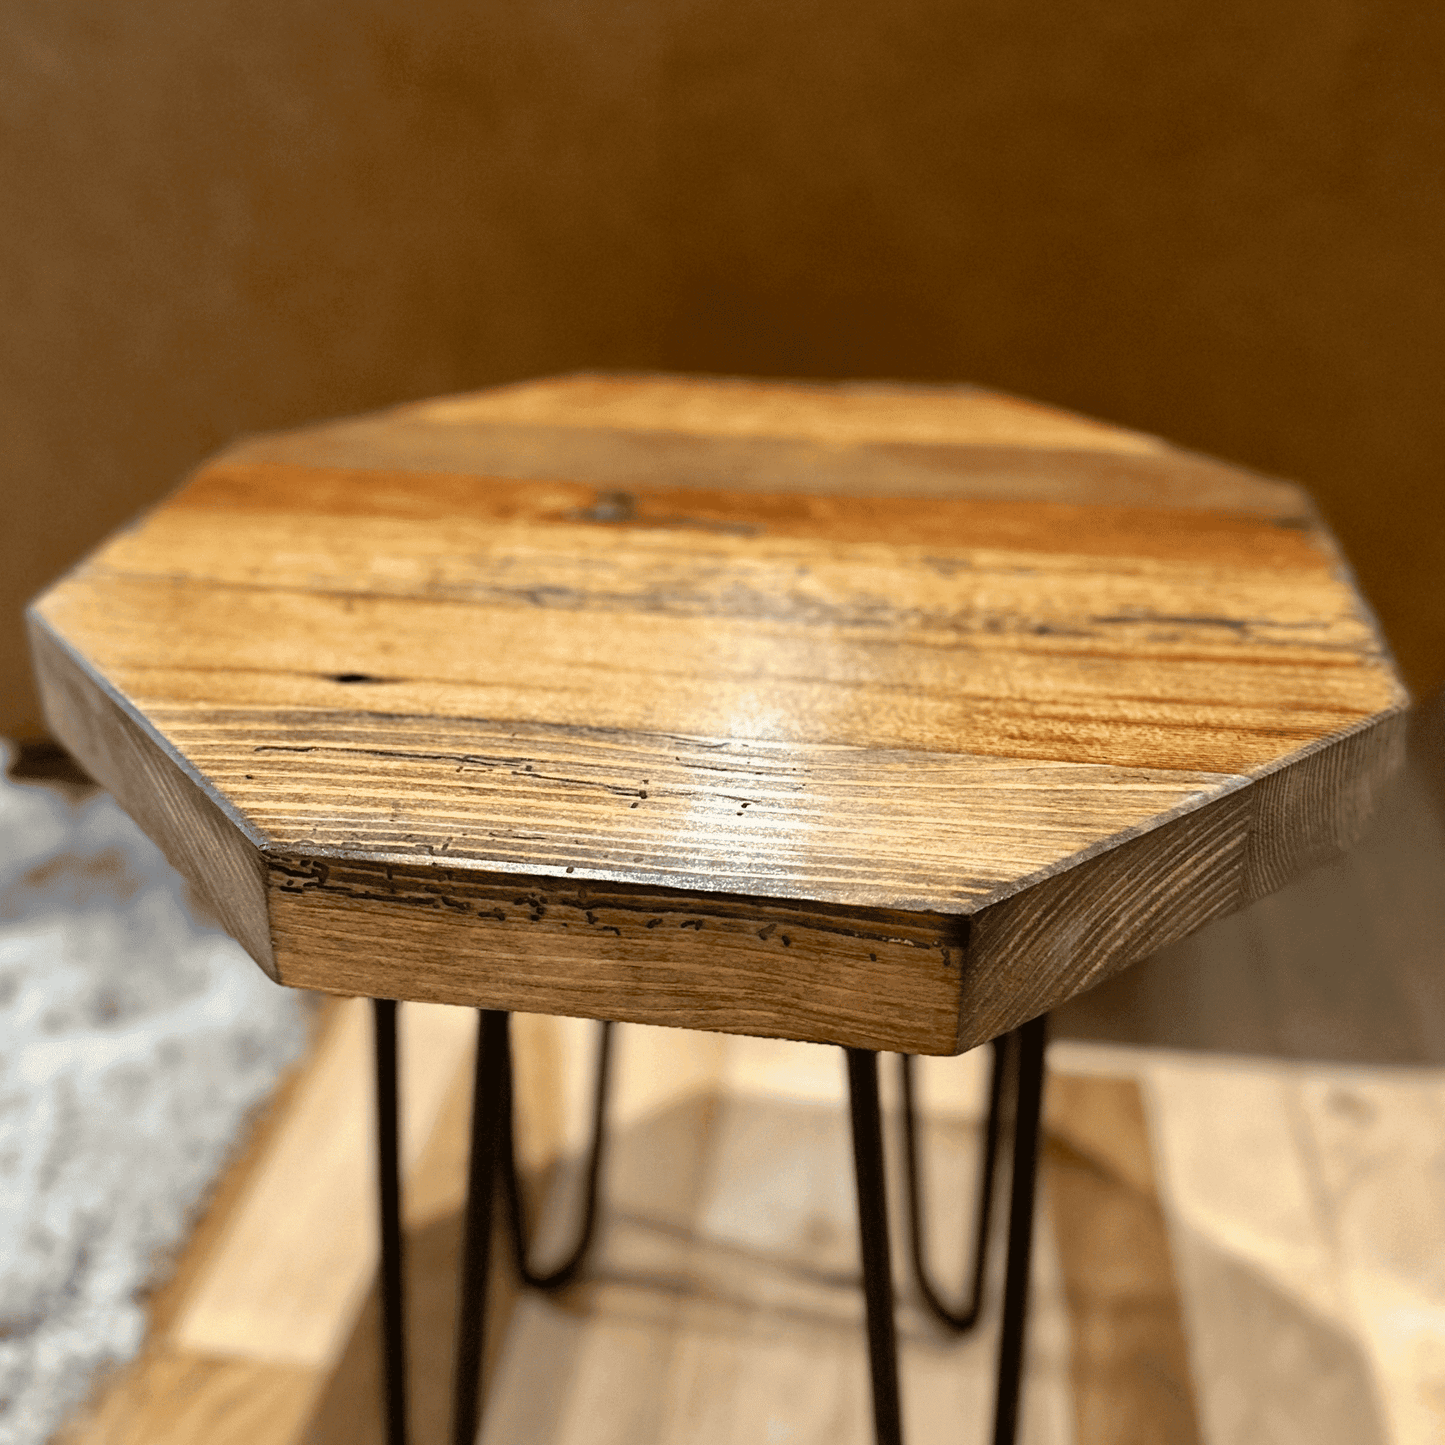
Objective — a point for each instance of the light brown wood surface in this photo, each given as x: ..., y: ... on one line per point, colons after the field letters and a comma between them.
x: 879, y: 716
x: 1130, y: 1357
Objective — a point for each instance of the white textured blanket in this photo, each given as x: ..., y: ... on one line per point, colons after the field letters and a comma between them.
x: 134, y: 1041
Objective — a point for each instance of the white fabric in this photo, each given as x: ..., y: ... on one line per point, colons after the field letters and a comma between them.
x: 134, y: 1041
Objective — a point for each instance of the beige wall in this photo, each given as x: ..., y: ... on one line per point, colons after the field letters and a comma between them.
x: 1223, y: 223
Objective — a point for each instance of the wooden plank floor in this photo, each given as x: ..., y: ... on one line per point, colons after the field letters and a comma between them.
x: 722, y: 1304
x: 1231, y: 1251
x: 1297, y: 1107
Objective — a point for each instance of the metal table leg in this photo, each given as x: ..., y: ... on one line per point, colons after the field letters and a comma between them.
x: 1028, y: 1043
x: 965, y: 1317
x: 489, y: 1096
x: 1031, y: 1040
x: 493, y: 1150
x: 873, y: 1243
x: 564, y: 1273
x: 393, y: 1312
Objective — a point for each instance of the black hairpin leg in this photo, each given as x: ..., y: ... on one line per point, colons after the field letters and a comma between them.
x: 565, y: 1272
x: 493, y: 1158
x: 388, y: 1179
x: 492, y: 1148
x: 489, y: 1100
x: 873, y: 1226
x: 966, y: 1316
x: 873, y: 1243
x: 1031, y: 1040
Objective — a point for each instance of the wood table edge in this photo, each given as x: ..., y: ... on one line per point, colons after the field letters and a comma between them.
x: 1163, y: 883
x: 174, y: 805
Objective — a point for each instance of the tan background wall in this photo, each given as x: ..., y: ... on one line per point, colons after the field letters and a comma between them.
x: 1220, y: 222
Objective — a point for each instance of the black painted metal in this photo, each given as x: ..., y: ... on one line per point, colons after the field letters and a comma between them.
x: 388, y: 1179
x: 873, y: 1243
x: 564, y: 1273
x: 965, y: 1317
x: 1031, y: 1040
x: 489, y: 1098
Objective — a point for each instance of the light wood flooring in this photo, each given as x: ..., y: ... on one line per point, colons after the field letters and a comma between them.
x: 722, y: 1303
x: 1266, y: 1271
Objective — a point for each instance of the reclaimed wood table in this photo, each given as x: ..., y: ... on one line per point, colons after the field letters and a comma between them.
x: 884, y: 717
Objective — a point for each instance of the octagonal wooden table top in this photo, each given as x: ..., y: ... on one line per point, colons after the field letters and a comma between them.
x: 878, y: 715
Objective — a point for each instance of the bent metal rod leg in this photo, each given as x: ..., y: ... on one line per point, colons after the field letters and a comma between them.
x: 873, y: 1243
x: 1031, y: 1040
x: 489, y: 1092
x: 966, y: 1316
x: 563, y: 1274
x: 388, y: 1179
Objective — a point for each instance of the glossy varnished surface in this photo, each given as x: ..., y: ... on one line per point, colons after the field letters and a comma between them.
x: 583, y: 696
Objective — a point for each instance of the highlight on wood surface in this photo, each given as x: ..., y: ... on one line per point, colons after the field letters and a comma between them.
x: 883, y: 716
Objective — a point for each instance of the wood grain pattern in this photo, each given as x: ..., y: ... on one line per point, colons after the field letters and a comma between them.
x: 846, y: 414
x: 1130, y: 1362
x: 714, y: 961
x: 1078, y: 926
x: 832, y: 824
x: 189, y: 822
x: 175, y: 1398
x: 850, y: 665
x: 610, y: 457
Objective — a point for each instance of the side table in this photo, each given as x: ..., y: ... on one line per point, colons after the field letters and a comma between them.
x: 883, y: 717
